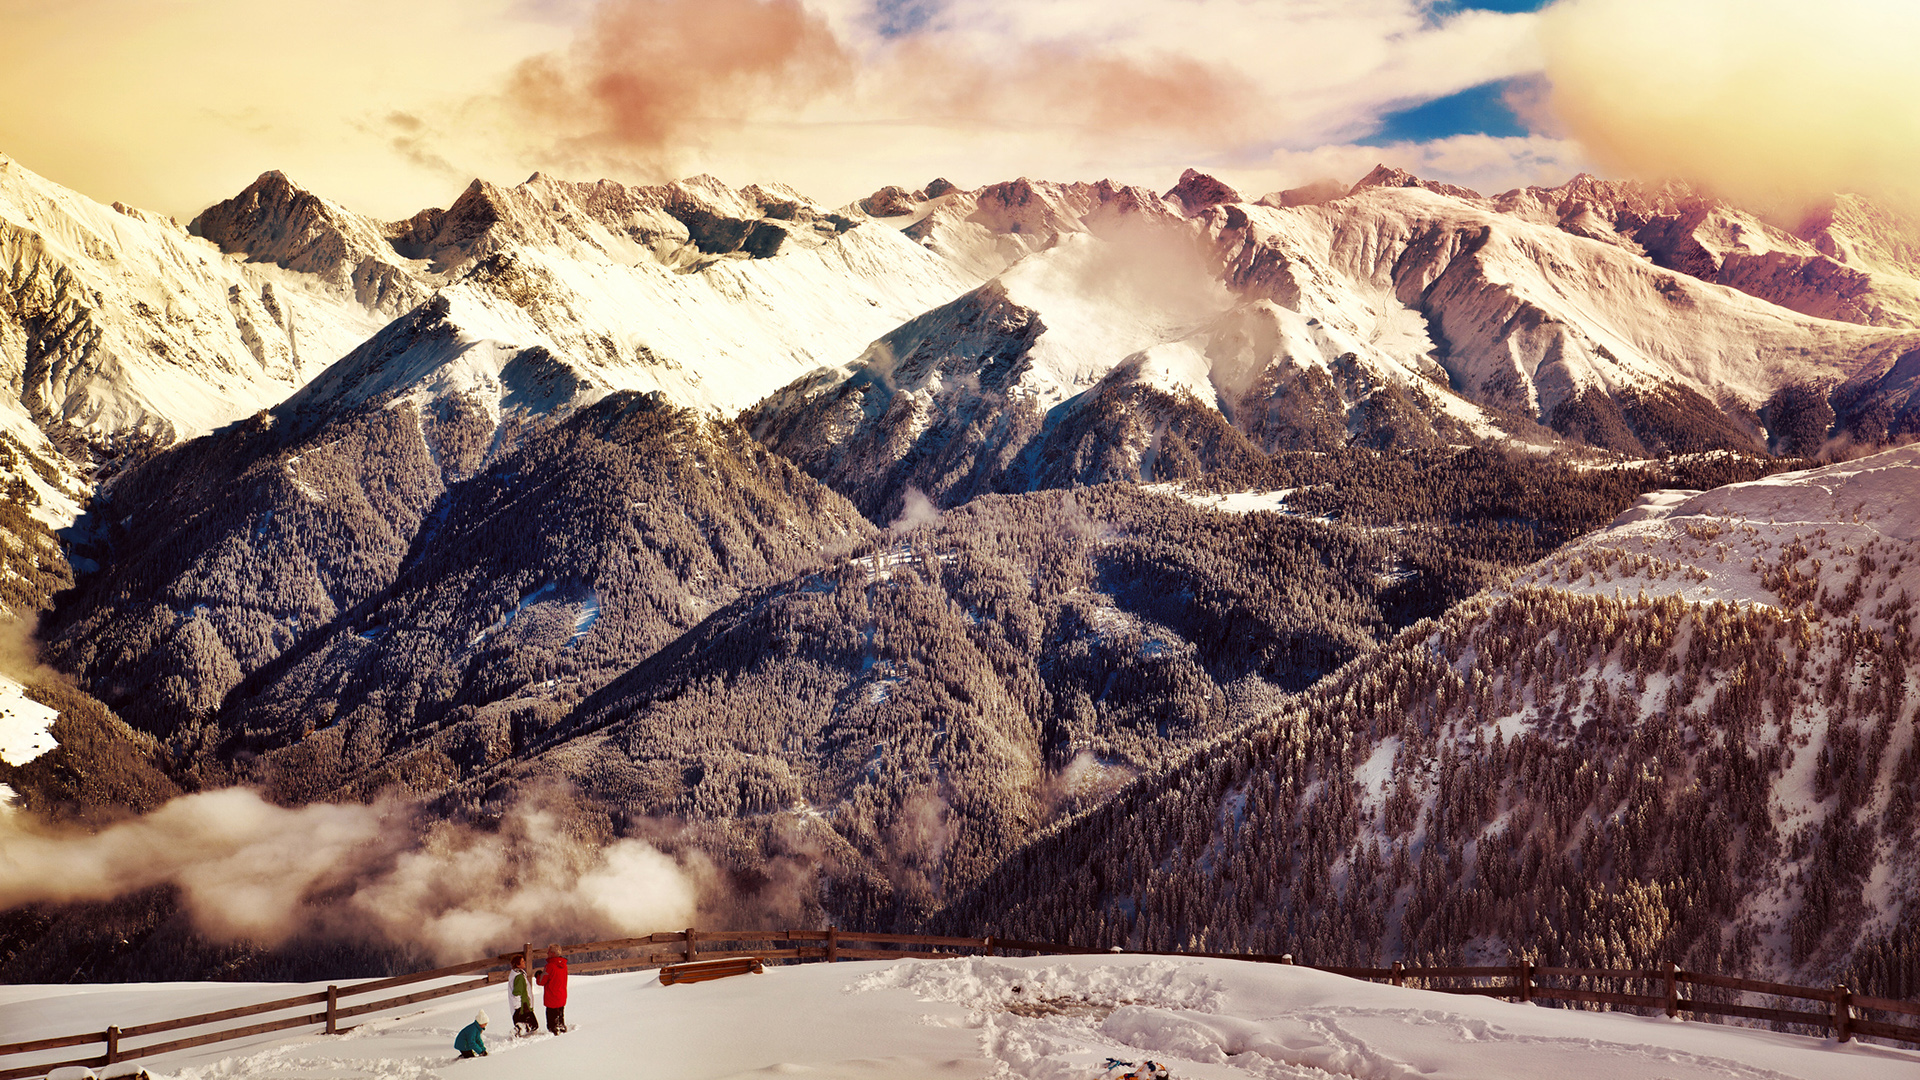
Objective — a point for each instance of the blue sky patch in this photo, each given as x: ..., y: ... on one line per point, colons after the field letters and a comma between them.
x: 1447, y: 7
x: 1478, y: 110
x: 899, y: 18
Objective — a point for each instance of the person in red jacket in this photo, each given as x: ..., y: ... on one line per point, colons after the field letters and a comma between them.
x: 553, y: 992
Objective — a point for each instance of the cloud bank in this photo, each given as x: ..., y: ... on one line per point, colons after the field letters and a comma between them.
x: 839, y: 97
x: 1775, y: 103
x: 391, y: 107
x: 249, y: 870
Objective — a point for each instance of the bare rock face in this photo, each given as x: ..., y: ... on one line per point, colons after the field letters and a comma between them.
x: 278, y: 222
x: 889, y: 202
x: 1198, y: 192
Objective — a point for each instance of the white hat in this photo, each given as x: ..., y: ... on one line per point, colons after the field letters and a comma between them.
x: 480, y: 1018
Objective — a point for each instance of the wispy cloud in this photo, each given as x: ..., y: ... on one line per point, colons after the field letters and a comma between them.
x: 980, y: 90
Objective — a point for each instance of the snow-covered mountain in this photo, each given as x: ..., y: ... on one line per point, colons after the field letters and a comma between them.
x: 709, y: 295
x: 1689, y: 736
x: 1398, y: 314
x: 116, y: 323
x: 515, y: 489
x: 1853, y: 260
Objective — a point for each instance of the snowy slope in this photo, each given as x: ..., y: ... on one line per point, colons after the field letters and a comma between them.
x: 1853, y: 261
x: 711, y: 296
x: 1041, y: 1018
x: 25, y: 725
x: 1397, y: 314
x: 115, y: 321
x: 1850, y: 533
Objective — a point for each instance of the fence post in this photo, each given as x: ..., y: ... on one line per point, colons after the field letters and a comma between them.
x: 1842, y: 1012
x: 833, y: 944
x: 1673, y: 989
x: 1399, y: 977
x: 692, y: 949
x: 1523, y: 978
x: 987, y: 944
x: 1286, y: 958
x: 333, y: 1007
x: 113, y: 1045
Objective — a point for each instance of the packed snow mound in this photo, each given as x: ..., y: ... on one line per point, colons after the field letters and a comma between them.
x: 1033, y: 1019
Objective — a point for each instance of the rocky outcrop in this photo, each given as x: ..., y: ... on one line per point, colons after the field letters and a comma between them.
x: 1852, y: 261
x: 278, y: 222
x: 1197, y: 192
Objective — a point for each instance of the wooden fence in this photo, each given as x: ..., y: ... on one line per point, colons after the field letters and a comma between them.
x: 1838, y: 1011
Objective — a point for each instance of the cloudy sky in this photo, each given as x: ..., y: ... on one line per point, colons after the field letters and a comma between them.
x: 389, y: 106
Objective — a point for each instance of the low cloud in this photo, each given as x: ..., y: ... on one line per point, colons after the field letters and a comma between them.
x: 1774, y: 103
x: 915, y: 510
x: 246, y: 869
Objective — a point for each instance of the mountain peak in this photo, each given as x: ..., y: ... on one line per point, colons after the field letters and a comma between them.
x: 1197, y: 191
x: 890, y: 201
x: 275, y: 220
x: 1389, y: 177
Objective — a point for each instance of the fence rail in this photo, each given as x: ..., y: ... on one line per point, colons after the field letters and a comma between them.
x: 1841, y: 1015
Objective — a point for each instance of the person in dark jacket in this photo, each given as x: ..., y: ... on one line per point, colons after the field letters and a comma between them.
x: 553, y: 989
x: 470, y: 1042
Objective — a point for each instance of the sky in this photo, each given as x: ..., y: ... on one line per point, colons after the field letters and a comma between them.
x: 390, y: 106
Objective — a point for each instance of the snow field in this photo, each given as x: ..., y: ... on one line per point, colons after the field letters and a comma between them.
x: 1716, y: 545
x: 1233, y: 502
x: 1042, y: 1018
x: 26, y: 726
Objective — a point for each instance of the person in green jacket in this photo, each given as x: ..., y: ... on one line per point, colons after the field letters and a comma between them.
x: 520, y: 997
x: 470, y: 1042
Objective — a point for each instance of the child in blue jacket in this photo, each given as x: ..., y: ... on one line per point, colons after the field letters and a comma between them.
x: 470, y: 1042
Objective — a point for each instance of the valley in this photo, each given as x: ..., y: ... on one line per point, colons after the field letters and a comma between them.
x: 1385, y: 572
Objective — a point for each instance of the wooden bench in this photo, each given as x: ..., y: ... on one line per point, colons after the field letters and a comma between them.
x: 702, y: 970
